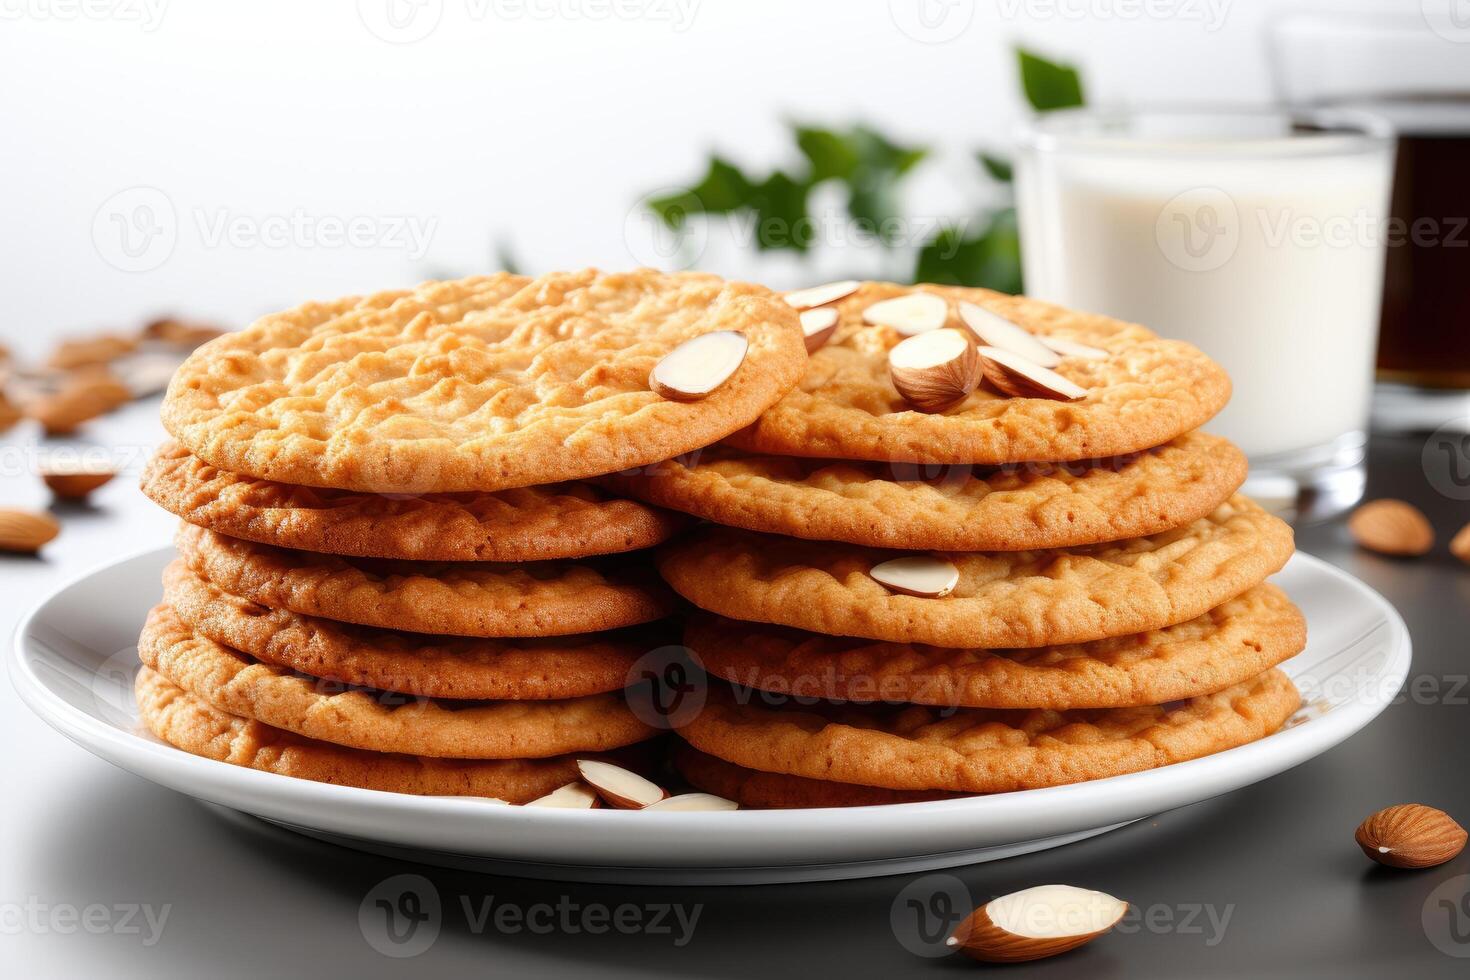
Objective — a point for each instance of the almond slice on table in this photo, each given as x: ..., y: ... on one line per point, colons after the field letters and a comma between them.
x: 1071, y: 348
x: 1014, y: 375
x: 699, y: 365
x: 1035, y: 923
x: 74, y: 479
x: 817, y: 327
x: 831, y: 292
x: 618, y: 787
x: 917, y: 575
x: 934, y: 370
x: 572, y: 796
x: 694, y: 801
x: 995, y: 330
x: 909, y: 315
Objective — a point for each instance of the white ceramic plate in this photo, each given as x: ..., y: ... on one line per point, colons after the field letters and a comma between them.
x: 74, y: 658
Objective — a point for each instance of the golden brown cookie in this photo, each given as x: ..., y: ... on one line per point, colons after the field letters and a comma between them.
x: 186, y: 722
x: 380, y: 721
x: 428, y: 666
x: 976, y: 750
x: 565, y: 520
x: 1231, y: 643
x: 478, y: 384
x: 957, y: 508
x: 1002, y: 599
x: 778, y: 791
x: 1146, y: 392
x: 551, y: 598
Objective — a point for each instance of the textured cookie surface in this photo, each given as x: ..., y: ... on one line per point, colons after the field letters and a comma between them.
x: 465, y: 599
x: 478, y: 384
x: 778, y: 791
x: 1227, y: 645
x: 977, y: 750
x: 1002, y: 599
x: 388, y: 660
x: 566, y: 520
x: 1145, y: 393
x: 188, y: 723
x: 955, y: 508
x: 380, y: 721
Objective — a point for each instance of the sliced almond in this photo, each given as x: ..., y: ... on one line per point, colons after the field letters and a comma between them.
x: 934, y: 370
x: 831, y: 292
x: 572, y: 796
x: 817, y: 326
x: 918, y: 575
x: 1012, y: 374
x: 74, y: 479
x: 1460, y: 544
x: 995, y: 330
x: 618, y: 787
x: 909, y: 315
x: 1071, y: 348
x: 1035, y: 923
x: 699, y: 365
x: 694, y: 801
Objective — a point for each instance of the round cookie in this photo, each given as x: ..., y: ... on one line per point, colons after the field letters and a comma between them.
x: 478, y: 384
x: 974, y: 750
x: 426, y: 666
x: 1146, y: 392
x: 185, y: 722
x: 1227, y: 645
x: 1015, y: 508
x: 778, y: 791
x: 1002, y: 599
x: 379, y: 721
x: 540, y: 599
x: 565, y: 520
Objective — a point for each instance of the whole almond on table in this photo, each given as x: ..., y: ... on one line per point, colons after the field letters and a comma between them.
x: 91, y: 351
x: 25, y: 531
x: 1391, y: 527
x: 82, y: 398
x: 1460, y: 544
x: 1411, y: 835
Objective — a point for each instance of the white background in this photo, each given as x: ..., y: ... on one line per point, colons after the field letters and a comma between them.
x: 532, y: 121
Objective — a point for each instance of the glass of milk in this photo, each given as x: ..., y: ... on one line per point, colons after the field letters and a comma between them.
x: 1255, y: 234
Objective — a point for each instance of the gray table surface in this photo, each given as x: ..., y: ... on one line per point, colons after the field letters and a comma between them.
x: 1265, y: 881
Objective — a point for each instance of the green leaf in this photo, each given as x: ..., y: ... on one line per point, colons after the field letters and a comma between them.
x: 991, y: 258
x: 997, y: 168
x: 722, y: 189
x: 829, y: 154
x: 781, y: 216
x: 1047, y: 84
x: 876, y: 153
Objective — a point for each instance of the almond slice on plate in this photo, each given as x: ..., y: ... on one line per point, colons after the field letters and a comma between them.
x: 694, y: 801
x: 699, y: 365
x: 1035, y: 923
x: 572, y: 796
x: 618, y: 787
x: 917, y: 575
x: 934, y: 370
x: 1071, y: 348
x: 817, y: 327
x: 831, y: 292
x: 995, y: 330
x: 909, y: 315
x: 1012, y: 374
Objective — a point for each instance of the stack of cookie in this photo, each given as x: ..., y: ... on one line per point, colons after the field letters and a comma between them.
x: 391, y: 572
x: 979, y: 548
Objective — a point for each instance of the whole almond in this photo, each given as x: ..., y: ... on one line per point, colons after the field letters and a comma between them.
x: 25, y: 531
x: 9, y: 414
x: 1391, y: 527
x: 1411, y: 835
x: 1460, y: 544
x: 83, y: 397
x: 90, y: 351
